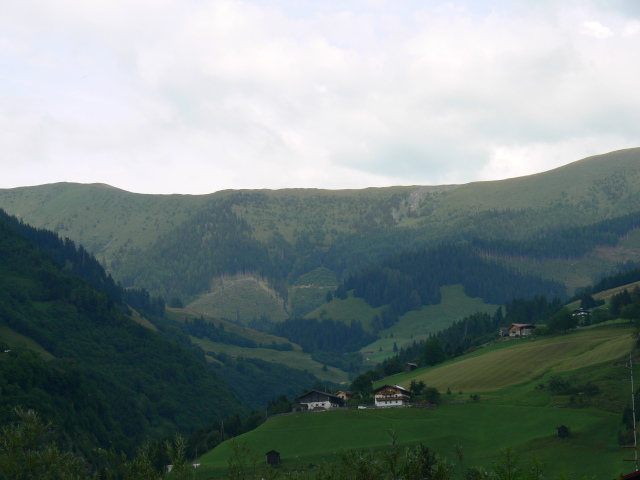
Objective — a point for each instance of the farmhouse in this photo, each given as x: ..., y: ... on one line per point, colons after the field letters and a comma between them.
x: 521, y: 329
x: 391, y: 396
x: 581, y: 312
x: 315, y: 400
x: 345, y: 396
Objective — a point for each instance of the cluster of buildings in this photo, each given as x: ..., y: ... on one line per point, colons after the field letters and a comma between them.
x: 385, y: 396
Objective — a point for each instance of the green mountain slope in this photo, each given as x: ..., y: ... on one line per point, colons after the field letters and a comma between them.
x: 110, y: 380
x: 176, y: 245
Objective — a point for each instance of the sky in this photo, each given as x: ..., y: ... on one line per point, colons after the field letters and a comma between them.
x: 196, y: 96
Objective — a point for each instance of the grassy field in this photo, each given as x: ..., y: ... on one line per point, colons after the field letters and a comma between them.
x: 310, y: 290
x: 418, y: 325
x: 13, y: 339
x: 521, y: 362
x: 240, y: 298
x: 481, y: 429
x: 294, y: 359
x: 351, y: 308
x: 512, y: 411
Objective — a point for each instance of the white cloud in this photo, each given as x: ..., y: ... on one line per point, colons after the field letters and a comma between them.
x: 173, y: 96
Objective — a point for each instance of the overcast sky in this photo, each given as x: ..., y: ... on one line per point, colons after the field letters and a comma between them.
x: 178, y: 96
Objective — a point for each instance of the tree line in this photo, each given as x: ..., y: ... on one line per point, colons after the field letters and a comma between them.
x: 560, y: 243
x: 408, y: 280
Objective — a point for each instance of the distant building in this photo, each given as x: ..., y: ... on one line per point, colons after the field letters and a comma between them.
x: 581, y: 312
x: 273, y: 458
x: 345, y: 396
x: 315, y: 400
x: 563, y: 431
x: 391, y: 396
x: 521, y: 329
x: 410, y: 367
x: 504, y: 331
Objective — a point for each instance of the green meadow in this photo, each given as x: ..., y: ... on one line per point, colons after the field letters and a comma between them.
x: 419, y: 324
x: 481, y: 429
x: 240, y: 298
x: 523, y: 361
x: 513, y: 411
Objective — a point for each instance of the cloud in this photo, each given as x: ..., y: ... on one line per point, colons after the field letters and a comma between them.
x: 596, y: 29
x: 174, y: 96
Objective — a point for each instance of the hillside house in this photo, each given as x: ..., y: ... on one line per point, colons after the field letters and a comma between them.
x: 581, y: 312
x: 315, y: 400
x: 345, y: 396
x: 391, y: 396
x: 521, y: 329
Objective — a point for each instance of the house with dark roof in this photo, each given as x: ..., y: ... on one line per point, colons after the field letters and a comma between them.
x: 315, y: 400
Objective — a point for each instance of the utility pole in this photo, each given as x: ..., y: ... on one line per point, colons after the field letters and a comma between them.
x: 633, y: 409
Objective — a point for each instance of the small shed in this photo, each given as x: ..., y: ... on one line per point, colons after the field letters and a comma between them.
x: 273, y: 458
x: 410, y: 367
x: 563, y: 431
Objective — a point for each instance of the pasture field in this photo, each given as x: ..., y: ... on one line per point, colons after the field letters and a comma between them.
x: 481, y: 429
x: 294, y: 359
x: 513, y: 411
x: 310, y: 290
x: 14, y: 339
x: 240, y: 298
x: 522, y: 361
x: 419, y: 324
x: 351, y: 308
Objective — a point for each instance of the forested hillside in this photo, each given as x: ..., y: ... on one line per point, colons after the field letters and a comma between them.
x: 409, y: 280
x: 111, y: 381
x: 557, y: 224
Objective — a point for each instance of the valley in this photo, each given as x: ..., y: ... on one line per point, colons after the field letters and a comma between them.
x: 128, y: 317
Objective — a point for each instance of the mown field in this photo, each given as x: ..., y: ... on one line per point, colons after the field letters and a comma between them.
x: 523, y: 361
x: 511, y: 412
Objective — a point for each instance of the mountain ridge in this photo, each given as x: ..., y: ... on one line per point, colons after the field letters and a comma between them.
x: 293, y: 231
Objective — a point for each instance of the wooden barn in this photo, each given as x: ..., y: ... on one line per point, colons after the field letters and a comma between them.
x: 273, y: 458
x: 410, y: 367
